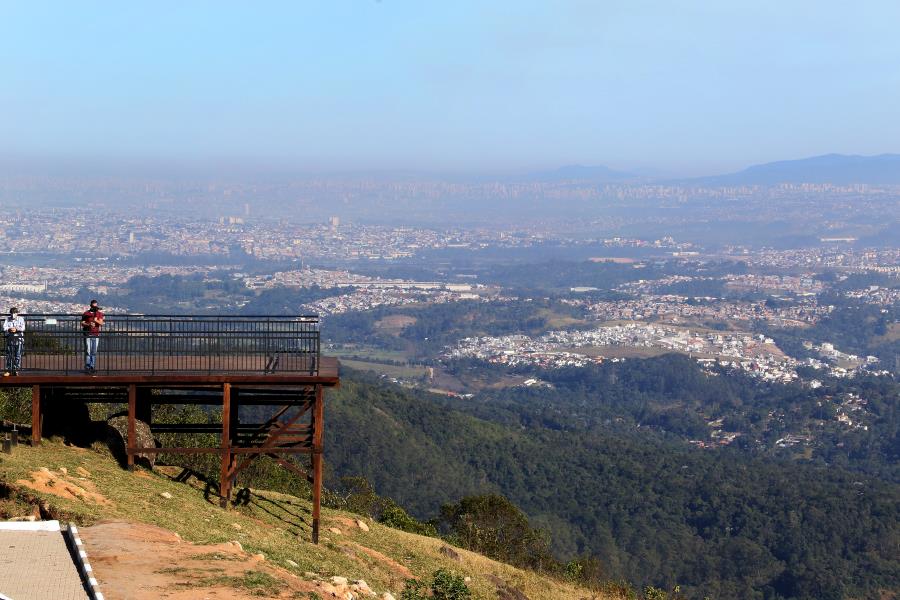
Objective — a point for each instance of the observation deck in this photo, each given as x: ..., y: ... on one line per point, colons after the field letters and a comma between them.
x: 272, y: 363
x: 147, y: 348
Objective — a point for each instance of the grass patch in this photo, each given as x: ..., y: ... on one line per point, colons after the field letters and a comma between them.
x: 256, y: 582
x: 406, y: 372
x: 185, y: 571
x: 213, y: 556
x: 13, y: 505
x: 364, y: 352
x: 557, y: 320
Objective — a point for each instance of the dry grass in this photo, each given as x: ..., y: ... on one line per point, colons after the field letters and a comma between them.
x: 557, y: 320
x: 406, y: 372
x: 394, y: 324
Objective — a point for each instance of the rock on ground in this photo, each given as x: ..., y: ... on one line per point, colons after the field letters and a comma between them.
x: 117, y: 439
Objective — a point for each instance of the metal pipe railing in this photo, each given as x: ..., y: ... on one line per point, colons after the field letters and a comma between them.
x: 54, y: 343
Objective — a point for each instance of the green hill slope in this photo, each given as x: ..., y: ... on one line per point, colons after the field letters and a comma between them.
x: 654, y: 511
x: 87, y: 486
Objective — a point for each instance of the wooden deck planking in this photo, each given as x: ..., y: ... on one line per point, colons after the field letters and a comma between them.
x: 328, y: 375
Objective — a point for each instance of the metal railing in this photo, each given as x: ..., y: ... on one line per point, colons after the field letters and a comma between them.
x: 171, y: 344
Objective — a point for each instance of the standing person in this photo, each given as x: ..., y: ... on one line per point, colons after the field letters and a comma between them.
x: 91, y: 322
x: 14, y: 331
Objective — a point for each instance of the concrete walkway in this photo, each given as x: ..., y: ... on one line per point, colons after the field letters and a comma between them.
x: 35, y: 563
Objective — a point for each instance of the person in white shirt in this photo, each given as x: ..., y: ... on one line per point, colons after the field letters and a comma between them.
x: 14, y: 331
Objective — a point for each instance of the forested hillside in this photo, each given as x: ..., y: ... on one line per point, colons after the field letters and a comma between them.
x: 655, y: 510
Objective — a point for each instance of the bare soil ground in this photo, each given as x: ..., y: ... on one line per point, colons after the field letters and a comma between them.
x: 64, y: 485
x: 394, y: 324
x: 135, y: 561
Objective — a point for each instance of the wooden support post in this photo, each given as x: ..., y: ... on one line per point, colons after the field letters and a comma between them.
x: 225, y: 477
x: 233, y: 440
x: 132, y: 409
x: 35, y: 415
x: 318, y: 425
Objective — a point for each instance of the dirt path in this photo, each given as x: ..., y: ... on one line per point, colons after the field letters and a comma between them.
x: 134, y: 561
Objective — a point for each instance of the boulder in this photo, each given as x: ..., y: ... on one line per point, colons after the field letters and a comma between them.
x: 362, y: 525
x: 362, y: 587
x: 449, y: 553
x: 117, y: 438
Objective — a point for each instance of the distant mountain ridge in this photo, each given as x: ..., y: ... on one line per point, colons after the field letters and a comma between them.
x: 840, y: 169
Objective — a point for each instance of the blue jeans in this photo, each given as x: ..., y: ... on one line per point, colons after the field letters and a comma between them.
x: 91, y: 343
x: 14, y: 346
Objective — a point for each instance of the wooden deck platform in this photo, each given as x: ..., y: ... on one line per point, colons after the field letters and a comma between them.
x: 296, y: 396
x: 327, y: 375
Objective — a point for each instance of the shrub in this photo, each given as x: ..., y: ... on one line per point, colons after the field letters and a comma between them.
x: 449, y: 586
x: 15, y: 405
x: 494, y: 526
x: 445, y: 585
x: 357, y: 495
x: 394, y: 516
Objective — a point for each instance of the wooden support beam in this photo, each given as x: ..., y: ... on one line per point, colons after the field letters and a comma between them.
x: 234, y: 424
x: 35, y: 415
x: 280, y: 428
x: 318, y: 424
x: 268, y: 449
x: 225, y: 475
x: 234, y: 450
x: 132, y: 437
x: 176, y: 450
x: 238, y: 467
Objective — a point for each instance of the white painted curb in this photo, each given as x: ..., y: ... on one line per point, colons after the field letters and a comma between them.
x: 29, y: 526
x: 81, y: 560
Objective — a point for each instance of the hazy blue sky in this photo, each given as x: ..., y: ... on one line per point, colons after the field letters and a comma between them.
x: 682, y: 86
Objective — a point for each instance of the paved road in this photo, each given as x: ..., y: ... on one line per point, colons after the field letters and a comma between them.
x: 35, y: 563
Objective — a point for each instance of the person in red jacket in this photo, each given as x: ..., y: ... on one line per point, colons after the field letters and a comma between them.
x: 91, y: 322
